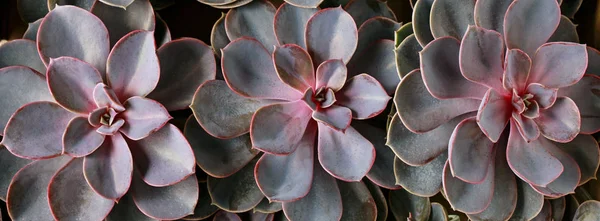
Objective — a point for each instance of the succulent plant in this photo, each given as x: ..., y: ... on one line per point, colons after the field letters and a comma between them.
x: 225, y: 4
x: 588, y: 211
x: 486, y: 64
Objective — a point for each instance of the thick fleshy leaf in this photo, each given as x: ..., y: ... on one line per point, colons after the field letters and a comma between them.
x: 529, y: 202
x: 517, y: 68
x: 543, y: 96
x: 441, y: 71
x: 364, y: 95
x: 493, y: 114
x: 421, y: 21
x: 467, y: 197
x: 166, y: 203
x: 402, y: 33
x: 127, y: 210
x: 163, y: 158
x: 331, y: 74
x: 489, y: 14
x: 357, y: 202
x: 68, y: 31
x: 217, y: 157
x: 278, y: 128
x: 557, y: 65
x: 236, y: 193
x: 258, y: 216
x: 204, y: 208
x: 85, y: 205
x: 304, y: 3
x: 286, y: 178
x: 451, y: 17
x: 268, y: 207
x: 425, y: 180
x: 80, y: 138
x: 226, y: 216
x: 584, y: 150
x: 335, y: 117
x: 558, y: 208
x: 322, y: 202
x: 470, y: 152
x: 217, y: 2
x: 438, y: 212
x: 142, y: 117
x: 587, y: 103
x: 104, y: 97
x: 380, y: 201
x: 532, y: 161
x: 529, y: 24
x: 109, y: 169
x: 85, y: 4
x: 566, y: 31
x: 545, y: 213
x: 482, y: 56
x: 382, y: 171
x: 218, y: 36
x: 139, y: 15
x: 407, y: 55
x: 373, y: 30
x: 420, y: 112
x: 235, y: 4
x: 21, y: 52
x: 331, y: 34
x: 118, y: 3
x: 31, y: 10
x: 71, y: 82
x: 567, y: 181
x: 162, y: 34
x: 378, y: 60
x: 112, y: 129
x: 345, y: 155
x: 11, y: 164
x: 290, y: 22
x: 593, y: 60
x: 35, y: 131
x: 32, y: 30
x: 184, y: 65
x: 294, y: 67
x: 406, y: 206
x: 588, y: 211
x: 254, y: 20
x: 27, y: 197
x: 528, y: 129
x: 223, y: 113
x: 560, y: 122
x: 254, y: 77
x: 362, y: 10
x: 20, y: 86
x: 133, y: 68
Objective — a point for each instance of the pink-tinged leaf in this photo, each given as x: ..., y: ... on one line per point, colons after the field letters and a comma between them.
x: 294, y: 67
x: 568, y: 179
x: 593, y: 61
x: 71, y: 82
x: 287, y: 178
x: 118, y: 3
x: 331, y: 74
x: 85, y: 4
x: 527, y: 128
x: 11, y: 164
x: 268, y: 207
x: 489, y: 14
x: 19, y: 86
x: 335, y: 117
x: 21, y: 52
x: 374, y: 30
x: 420, y: 112
x: 481, y: 56
x: 363, y: 10
x: 218, y: 36
x: 543, y: 96
x: 223, y: 113
x: 166, y: 203
x: 104, y: 97
x: 80, y: 138
x: 588, y: 211
x: 142, y: 117
x: 322, y: 202
x: 112, y: 129
x: 529, y: 23
x: 532, y: 161
x: 364, y: 95
x: 425, y: 180
x: 133, y: 68
x: 584, y: 150
x: 290, y: 22
x: 164, y: 158
x: 254, y: 77
x: 466, y: 197
x: 380, y: 201
x: 382, y: 171
x: 236, y: 4
x: 557, y: 65
x: 278, y: 128
x: 421, y: 21
x: 438, y: 212
x: 126, y: 210
x: 451, y: 17
x: 493, y: 114
x: 533, y: 110
x: 229, y: 156
x: 68, y: 31
x: 65, y: 205
x: 440, y: 67
x: 331, y: 34
x: 379, y: 61
x: 204, y: 207
x: 35, y: 131
x: 304, y: 3
x: 405, y: 206
x: 217, y: 2
x: 236, y: 193
x: 545, y: 213
x: 560, y: 122
x: 587, y: 102
x: 109, y: 169
x: 516, y: 70
x: 345, y: 155
x: 184, y: 65
x: 357, y: 201
x: 529, y: 202
x: 27, y: 197
x: 255, y: 20
x: 226, y: 216
x: 139, y: 15
x: 470, y: 152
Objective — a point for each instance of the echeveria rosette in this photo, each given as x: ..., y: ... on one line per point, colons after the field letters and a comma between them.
x: 468, y: 90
